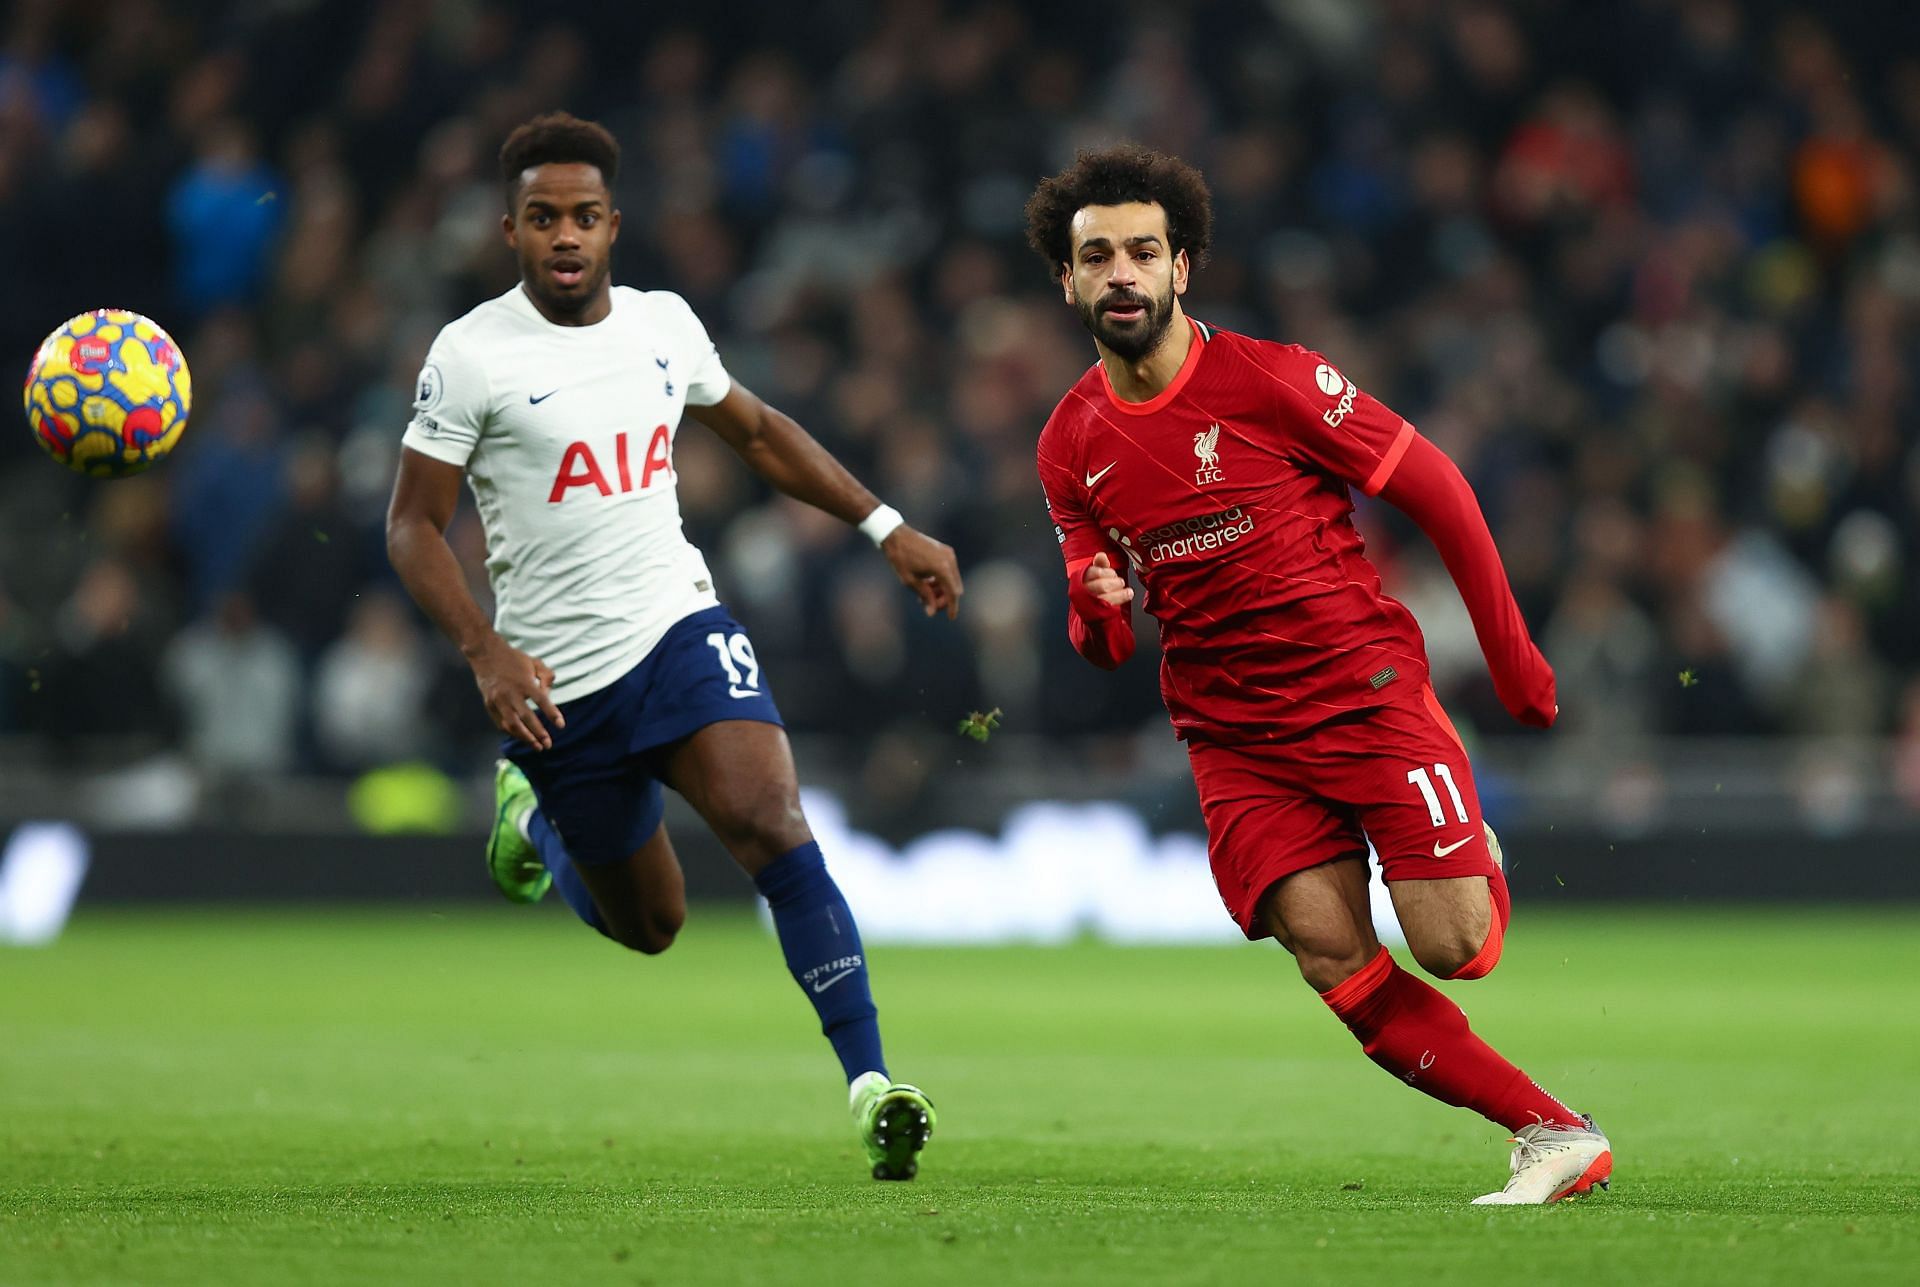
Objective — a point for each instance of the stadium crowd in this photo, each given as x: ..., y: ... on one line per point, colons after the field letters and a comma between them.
x: 1649, y: 271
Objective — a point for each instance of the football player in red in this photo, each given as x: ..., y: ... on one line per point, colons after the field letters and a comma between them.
x: 1217, y: 471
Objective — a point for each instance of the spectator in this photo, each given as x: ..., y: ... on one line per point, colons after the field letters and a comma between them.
x: 1649, y: 273
x: 370, y: 689
x: 308, y: 570
x: 227, y: 489
x: 237, y: 685
x: 223, y: 213
x: 101, y: 685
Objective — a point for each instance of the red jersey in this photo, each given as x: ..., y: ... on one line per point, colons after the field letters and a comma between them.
x: 1228, y: 494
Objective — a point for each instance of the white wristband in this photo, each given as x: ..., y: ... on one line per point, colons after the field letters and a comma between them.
x: 879, y: 525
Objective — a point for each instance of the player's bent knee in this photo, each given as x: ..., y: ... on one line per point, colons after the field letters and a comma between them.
x: 1452, y: 939
x: 1481, y: 964
x: 651, y: 943
x: 665, y: 924
x: 1325, y: 970
x: 1445, y: 957
x: 650, y: 939
x: 1457, y: 956
x: 653, y: 933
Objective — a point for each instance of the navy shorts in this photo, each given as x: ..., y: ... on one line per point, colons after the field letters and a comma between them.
x: 599, y: 786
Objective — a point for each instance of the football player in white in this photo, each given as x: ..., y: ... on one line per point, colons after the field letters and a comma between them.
x: 610, y: 667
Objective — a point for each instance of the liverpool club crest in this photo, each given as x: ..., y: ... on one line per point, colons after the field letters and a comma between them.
x: 1206, y: 446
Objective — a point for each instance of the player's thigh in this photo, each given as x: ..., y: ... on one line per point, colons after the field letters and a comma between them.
x: 643, y: 899
x: 1261, y: 828
x: 1322, y: 915
x: 1446, y: 920
x: 1415, y: 793
x: 738, y: 774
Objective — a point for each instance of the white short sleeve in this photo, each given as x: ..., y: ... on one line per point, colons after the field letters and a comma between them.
x: 449, y: 405
x: 709, y: 381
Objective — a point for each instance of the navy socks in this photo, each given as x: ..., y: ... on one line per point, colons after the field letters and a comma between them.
x: 823, y: 952
x: 817, y: 936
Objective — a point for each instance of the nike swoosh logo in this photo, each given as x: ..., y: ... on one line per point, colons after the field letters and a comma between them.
x: 542, y: 398
x: 823, y: 986
x: 1094, y: 478
x: 661, y: 363
x: 1441, y: 851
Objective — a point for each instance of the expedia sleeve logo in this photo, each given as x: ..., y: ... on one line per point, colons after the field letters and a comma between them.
x: 1333, y: 384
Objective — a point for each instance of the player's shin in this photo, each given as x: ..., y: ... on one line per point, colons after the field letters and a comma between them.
x: 822, y: 947
x: 1418, y: 1035
x: 566, y: 877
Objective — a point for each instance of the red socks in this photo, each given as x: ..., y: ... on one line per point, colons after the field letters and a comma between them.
x: 1422, y: 1038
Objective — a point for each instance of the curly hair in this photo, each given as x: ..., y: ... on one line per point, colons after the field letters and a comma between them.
x: 557, y: 137
x: 1114, y: 176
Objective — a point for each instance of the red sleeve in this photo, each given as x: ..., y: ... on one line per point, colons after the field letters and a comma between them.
x: 1101, y: 632
x: 1332, y: 424
x: 1432, y: 492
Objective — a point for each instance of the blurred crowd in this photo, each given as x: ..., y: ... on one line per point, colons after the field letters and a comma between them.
x: 1648, y: 270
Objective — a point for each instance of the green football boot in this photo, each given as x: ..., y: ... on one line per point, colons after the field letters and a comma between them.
x: 512, y: 860
x: 895, y: 1121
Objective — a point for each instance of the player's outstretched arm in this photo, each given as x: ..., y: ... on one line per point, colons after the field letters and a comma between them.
x: 425, y: 495
x: 1099, y: 622
x: 775, y: 446
x: 1430, y: 489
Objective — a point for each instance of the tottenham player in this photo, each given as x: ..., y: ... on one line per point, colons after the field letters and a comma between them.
x: 611, y: 667
x: 1215, y: 469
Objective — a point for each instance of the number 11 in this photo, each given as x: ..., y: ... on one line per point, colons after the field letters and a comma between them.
x: 1419, y: 778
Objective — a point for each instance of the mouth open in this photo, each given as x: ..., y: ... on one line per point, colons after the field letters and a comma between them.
x: 567, y: 271
x: 1125, y: 311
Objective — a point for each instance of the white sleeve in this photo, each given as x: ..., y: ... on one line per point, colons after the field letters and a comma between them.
x: 708, y: 380
x: 449, y: 405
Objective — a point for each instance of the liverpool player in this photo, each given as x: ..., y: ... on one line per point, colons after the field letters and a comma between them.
x: 610, y: 666
x: 1215, y: 470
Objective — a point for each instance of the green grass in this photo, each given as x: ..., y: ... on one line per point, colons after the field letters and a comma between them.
x: 496, y: 1096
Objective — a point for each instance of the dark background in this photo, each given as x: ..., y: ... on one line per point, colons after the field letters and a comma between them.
x: 1648, y: 270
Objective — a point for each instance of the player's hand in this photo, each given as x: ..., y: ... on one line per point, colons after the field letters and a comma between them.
x: 1101, y: 582
x: 926, y: 567
x: 512, y: 684
x: 1530, y: 697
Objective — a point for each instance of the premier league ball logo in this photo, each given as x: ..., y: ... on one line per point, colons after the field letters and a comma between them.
x: 108, y: 393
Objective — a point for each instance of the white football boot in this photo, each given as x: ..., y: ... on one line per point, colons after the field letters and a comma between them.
x: 1554, y: 1162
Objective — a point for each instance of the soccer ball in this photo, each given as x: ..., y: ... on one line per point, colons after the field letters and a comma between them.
x: 108, y: 393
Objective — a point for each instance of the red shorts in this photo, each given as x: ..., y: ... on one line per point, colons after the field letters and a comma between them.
x: 1396, y: 775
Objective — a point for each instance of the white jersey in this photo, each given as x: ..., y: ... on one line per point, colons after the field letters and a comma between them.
x: 566, y: 434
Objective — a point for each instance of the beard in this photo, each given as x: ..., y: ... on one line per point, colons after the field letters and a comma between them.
x: 1130, y: 341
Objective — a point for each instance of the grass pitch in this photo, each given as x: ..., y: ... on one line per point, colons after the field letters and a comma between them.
x: 482, y: 1095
